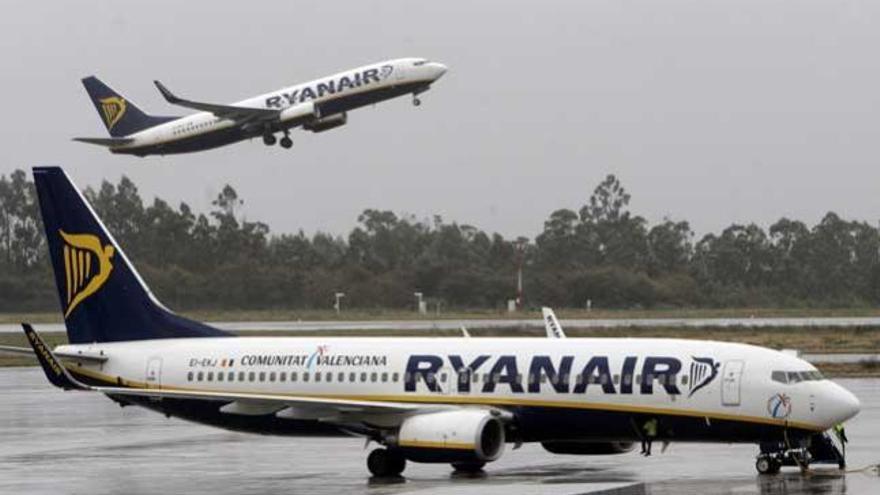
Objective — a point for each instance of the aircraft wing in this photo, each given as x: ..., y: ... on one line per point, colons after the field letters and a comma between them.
x: 551, y: 324
x: 232, y: 112
x: 240, y: 403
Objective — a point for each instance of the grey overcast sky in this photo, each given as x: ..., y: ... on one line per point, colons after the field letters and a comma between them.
x: 711, y: 111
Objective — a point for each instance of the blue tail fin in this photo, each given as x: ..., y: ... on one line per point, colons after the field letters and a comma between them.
x: 119, y: 114
x: 103, y: 297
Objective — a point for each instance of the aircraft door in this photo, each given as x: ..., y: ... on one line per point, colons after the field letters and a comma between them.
x: 154, y: 372
x: 730, y: 383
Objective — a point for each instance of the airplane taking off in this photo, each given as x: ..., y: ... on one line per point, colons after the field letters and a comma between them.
x: 316, y: 106
x: 438, y: 400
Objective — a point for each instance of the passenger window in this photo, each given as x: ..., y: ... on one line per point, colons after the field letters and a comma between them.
x: 305, y: 376
x: 293, y: 376
x: 519, y: 378
x: 627, y: 379
x: 373, y: 376
x: 220, y: 376
x: 475, y: 378
x: 617, y: 379
x: 543, y: 378
x: 282, y: 377
x: 395, y: 377
x: 329, y: 377
x: 684, y: 379
x: 384, y: 377
x: 210, y: 376
x: 200, y: 376
x: 364, y: 376
x: 443, y: 377
x: 241, y: 376
x: 252, y: 376
x: 579, y: 380
x: 565, y: 379
x: 340, y: 377
x: 352, y: 377
x: 262, y: 376
x: 272, y: 376
x: 231, y: 377
x: 317, y: 376
x: 189, y: 376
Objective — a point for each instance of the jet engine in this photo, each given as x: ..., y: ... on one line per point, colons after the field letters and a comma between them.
x: 463, y: 436
x: 326, y: 123
x: 587, y: 448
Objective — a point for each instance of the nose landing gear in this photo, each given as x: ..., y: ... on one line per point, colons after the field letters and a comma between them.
x: 416, y: 101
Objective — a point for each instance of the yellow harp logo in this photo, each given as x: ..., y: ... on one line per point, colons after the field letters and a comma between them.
x: 113, y: 108
x: 86, y: 266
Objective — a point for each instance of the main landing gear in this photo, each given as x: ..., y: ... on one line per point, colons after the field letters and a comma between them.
x: 285, y: 142
x: 386, y: 462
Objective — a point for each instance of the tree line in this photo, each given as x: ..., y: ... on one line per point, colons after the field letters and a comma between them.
x: 601, y: 252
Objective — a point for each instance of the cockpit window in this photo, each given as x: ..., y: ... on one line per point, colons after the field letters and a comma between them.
x: 420, y: 62
x: 796, y: 376
x: 779, y: 376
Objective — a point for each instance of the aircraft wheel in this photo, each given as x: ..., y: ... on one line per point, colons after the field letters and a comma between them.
x: 468, y: 467
x: 416, y: 101
x: 269, y: 139
x: 767, y: 465
x: 384, y: 462
x: 286, y: 142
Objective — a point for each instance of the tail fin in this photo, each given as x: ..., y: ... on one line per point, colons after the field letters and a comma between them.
x: 103, y: 297
x: 120, y: 115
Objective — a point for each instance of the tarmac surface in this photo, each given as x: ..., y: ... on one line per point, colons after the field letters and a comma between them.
x: 455, y: 324
x: 72, y: 442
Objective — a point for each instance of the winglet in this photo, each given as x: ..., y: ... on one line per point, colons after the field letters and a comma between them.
x: 168, y: 95
x: 53, y: 368
x: 551, y: 324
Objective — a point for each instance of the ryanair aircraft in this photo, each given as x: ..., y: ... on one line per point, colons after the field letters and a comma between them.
x: 439, y: 400
x: 315, y: 106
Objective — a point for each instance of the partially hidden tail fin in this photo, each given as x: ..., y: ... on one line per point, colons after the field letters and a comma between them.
x: 119, y: 114
x: 551, y: 324
x: 103, y: 297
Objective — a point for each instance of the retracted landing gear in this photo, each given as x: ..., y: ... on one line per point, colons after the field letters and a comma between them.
x: 385, y: 462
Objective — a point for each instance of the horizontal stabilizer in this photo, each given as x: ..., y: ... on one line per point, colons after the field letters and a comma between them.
x: 73, y: 356
x: 109, y: 142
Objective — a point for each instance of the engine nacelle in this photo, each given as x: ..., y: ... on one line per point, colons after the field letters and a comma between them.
x: 588, y: 448
x: 295, y: 112
x: 451, y: 436
x: 326, y: 123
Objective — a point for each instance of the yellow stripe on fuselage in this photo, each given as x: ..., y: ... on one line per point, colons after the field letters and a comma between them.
x: 482, y: 401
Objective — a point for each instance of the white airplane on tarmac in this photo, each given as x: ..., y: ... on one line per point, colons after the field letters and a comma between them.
x: 439, y: 400
x: 315, y: 106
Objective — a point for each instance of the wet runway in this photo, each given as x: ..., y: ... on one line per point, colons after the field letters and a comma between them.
x: 57, y: 442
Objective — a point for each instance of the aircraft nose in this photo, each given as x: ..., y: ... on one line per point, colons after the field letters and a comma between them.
x: 438, y: 70
x: 846, y: 404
